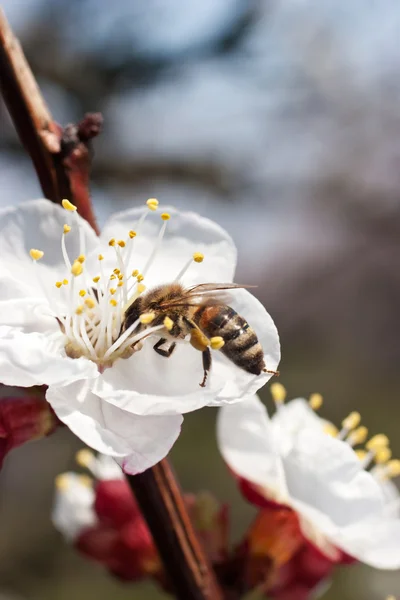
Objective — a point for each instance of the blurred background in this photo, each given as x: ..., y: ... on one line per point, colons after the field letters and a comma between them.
x: 280, y: 119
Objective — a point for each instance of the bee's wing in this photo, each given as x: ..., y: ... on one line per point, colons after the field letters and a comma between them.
x: 199, y: 294
x: 214, y: 287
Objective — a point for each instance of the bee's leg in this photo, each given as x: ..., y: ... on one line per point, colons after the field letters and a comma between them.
x: 272, y: 372
x: 161, y: 351
x: 206, y: 354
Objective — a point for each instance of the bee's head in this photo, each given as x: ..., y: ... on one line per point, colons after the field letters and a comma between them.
x: 133, y: 312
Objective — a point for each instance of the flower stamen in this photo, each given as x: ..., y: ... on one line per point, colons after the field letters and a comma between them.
x: 165, y: 217
x: 350, y: 422
x: 315, y: 401
x: 147, y: 318
x: 197, y: 257
x: 77, y: 268
x: 357, y: 436
x: 278, y: 393
x: 36, y: 254
x: 152, y: 203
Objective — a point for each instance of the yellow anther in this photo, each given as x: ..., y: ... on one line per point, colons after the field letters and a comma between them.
x: 352, y: 420
x: 358, y: 436
x: 36, y: 254
x: 361, y: 454
x: 100, y: 257
x: 141, y: 288
x: 393, y: 468
x: 217, y: 342
x: 90, y: 303
x: 315, y: 401
x: 79, y: 310
x: 330, y: 429
x: 84, y: 457
x: 152, y: 203
x: 81, y: 258
x: 135, y: 273
x: 140, y: 278
x: 58, y: 284
x: 198, y: 257
x: 112, y: 291
x: 112, y: 277
x: 120, y: 276
x: 168, y: 323
x: 147, y: 318
x: 62, y: 481
x: 96, y: 279
x: 383, y: 455
x: 68, y: 205
x: 165, y: 216
x: 121, y: 243
x: 66, y: 229
x: 85, y: 480
x: 82, y: 293
x: 111, y: 242
x: 113, y: 302
x: 65, y: 281
x: 116, y: 271
x: 377, y: 442
x: 76, y: 268
x: 278, y: 393
x: 120, y: 283
x: 132, y: 234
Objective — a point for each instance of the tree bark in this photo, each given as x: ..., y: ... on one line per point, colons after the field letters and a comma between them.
x: 61, y: 157
x: 161, y: 502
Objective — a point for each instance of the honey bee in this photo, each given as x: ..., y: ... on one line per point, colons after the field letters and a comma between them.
x: 199, y: 313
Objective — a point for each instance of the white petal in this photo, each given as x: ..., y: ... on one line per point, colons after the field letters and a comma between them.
x: 375, y: 542
x: 247, y: 443
x: 326, y: 481
x: 28, y: 315
x: 295, y: 415
x: 186, y: 233
x: 34, y: 359
x: 39, y: 224
x: 137, y: 442
x: 391, y: 495
x: 20, y: 308
x: 11, y: 287
x: 291, y: 418
x: 148, y: 383
x: 73, y: 506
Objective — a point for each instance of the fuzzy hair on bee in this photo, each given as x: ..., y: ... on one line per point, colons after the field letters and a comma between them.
x: 200, y: 313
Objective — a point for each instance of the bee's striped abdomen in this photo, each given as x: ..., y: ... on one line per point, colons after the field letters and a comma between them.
x: 241, y: 343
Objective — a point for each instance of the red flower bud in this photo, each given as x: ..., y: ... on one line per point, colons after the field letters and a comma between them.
x: 115, y: 504
x: 23, y: 419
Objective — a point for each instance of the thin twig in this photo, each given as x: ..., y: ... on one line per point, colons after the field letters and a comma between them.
x: 62, y: 161
x: 60, y: 156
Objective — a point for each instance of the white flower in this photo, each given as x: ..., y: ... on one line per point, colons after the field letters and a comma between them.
x: 63, y: 297
x: 299, y: 460
x: 73, y: 508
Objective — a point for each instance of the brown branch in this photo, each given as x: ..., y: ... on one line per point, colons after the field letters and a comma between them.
x: 60, y: 156
x: 160, y: 500
x: 62, y: 161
